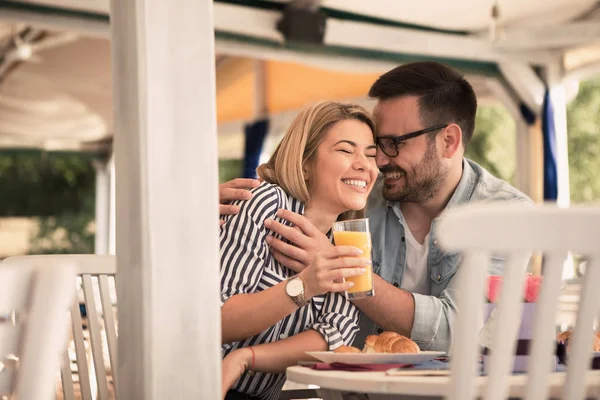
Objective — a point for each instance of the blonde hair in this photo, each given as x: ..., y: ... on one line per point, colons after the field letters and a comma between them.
x: 298, y: 147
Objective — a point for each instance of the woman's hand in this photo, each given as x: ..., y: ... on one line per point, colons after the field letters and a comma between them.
x: 305, y: 238
x: 326, y: 272
x: 233, y: 367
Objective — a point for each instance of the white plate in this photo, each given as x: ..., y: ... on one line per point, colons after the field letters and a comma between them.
x: 375, y: 358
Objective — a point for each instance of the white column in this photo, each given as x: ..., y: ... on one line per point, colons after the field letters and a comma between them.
x: 112, y: 213
x: 167, y: 211
x: 558, y: 96
x: 102, y: 207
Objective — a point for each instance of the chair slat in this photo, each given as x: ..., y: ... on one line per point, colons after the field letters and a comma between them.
x: 471, y: 274
x: 109, y: 325
x: 504, y: 340
x: 48, y: 318
x: 80, y: 353
x: 581, y: 341
x: 543, y: 347
x: 66, y: 377
x: 95, y: 337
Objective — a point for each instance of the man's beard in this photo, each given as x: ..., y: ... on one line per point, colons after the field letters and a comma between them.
x: 422, y: 184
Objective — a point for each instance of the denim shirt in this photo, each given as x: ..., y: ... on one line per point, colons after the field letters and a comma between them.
x: 434, y: 313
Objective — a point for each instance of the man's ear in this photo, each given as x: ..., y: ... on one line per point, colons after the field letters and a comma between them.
x: 452, y: 137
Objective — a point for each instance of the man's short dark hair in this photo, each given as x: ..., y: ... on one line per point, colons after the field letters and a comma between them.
x: 444, y: 94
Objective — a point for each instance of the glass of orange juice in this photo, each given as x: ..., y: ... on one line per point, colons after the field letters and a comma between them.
x: 356, y: 233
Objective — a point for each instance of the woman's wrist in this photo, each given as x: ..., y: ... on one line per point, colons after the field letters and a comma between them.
x: 308, y: 293
x: 244, y: 358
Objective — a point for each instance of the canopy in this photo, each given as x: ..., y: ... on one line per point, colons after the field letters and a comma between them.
x: 60, y: 97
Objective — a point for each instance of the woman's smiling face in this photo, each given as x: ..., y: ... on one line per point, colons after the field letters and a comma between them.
x: 344, y: 170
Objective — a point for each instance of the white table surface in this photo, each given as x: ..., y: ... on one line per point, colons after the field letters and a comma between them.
x: 378, y: 382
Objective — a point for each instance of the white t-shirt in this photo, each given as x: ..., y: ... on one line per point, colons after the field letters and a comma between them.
x: 416, y: 274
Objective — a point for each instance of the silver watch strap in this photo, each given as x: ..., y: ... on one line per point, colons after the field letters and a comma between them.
x: 300, y: 300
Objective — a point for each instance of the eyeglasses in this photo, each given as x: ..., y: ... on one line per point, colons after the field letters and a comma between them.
x: 389, y: 145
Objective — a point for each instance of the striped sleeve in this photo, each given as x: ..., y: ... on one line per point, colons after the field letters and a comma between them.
x: 244, y: 251
x: 338, y: 321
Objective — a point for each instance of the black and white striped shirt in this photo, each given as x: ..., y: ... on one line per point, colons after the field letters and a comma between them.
x: 248, y: 267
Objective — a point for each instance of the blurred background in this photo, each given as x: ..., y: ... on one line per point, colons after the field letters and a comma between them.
x: 56, y: 126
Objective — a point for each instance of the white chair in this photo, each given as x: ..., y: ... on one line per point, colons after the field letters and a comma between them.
x: 515, y: 231
x: 97, y: 332
x: 34, y: 304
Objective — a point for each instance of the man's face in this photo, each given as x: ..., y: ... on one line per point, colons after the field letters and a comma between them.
x: 417, y: 173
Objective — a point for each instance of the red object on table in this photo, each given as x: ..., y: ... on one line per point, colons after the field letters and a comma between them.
x: 532, y: 288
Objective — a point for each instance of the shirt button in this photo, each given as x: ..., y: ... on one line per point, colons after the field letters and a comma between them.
x: 439, y: 277
x: 435, y: 242
x: 403, y: 239
x: 379, y: 330
x: 283, y: 336
x: 396, y: 284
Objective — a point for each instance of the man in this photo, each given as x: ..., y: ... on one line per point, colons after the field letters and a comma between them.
x: 425, y: 113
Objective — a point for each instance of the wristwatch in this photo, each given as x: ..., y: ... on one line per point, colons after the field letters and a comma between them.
x: 295, y: 289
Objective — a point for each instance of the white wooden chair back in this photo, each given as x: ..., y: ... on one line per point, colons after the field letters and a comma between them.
x: 515, y: 231
x: 96, y: 275
x: 34, y: 304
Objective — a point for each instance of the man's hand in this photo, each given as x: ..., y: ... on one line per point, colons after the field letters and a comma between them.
x: 235, y: 189
x: 233, y: 366
x: 306, y: 241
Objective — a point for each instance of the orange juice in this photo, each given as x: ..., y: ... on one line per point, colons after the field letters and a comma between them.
x: 361, y: 240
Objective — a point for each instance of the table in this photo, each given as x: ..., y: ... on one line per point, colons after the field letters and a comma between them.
x: 380, y: 386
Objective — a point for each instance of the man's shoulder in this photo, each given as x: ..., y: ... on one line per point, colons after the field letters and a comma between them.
x: 488, y: 188
x: 376, y: 201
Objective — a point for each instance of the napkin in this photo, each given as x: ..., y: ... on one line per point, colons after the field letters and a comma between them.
x: 356, y: 367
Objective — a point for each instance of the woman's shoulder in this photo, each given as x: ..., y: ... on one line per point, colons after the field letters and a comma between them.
x: 267, y: 192
x: 266, y: 200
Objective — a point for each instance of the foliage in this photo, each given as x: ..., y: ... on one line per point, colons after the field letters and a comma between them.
x: 494, y: 140
x: 58, y: 191
x: 493, y: 144
x: 44, y: 184
x: 583, y: 121
x: 229, y: 169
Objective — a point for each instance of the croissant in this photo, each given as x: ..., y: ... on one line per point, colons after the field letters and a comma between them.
x: 347, y: 349
x: 565, y: 336
x: 389, y: 342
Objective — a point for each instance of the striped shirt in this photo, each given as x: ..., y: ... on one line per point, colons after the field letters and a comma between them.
x: 248, y: 267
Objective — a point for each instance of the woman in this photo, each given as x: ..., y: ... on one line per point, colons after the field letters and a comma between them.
x: 323, y: 168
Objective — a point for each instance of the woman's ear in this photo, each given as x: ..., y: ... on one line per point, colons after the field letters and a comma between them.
x: 305, y: 172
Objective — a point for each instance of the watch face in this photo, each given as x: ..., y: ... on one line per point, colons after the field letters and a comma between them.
x: 294, y: 287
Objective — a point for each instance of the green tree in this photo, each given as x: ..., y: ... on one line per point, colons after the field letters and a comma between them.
x: 57, y: 190
x: 494, y: 140
x: 229, y: 169
x: 583, y: 121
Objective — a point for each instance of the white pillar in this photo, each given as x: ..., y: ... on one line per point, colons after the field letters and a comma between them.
x: 112, y: 213
x: 167, y: 191
x: 102, y: 207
